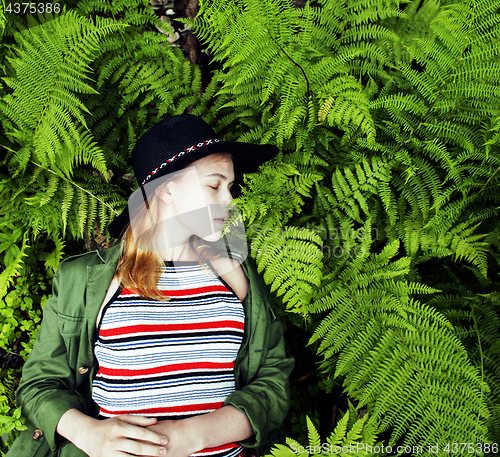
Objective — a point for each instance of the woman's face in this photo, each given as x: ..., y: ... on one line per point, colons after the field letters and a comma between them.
x: 197, y: 203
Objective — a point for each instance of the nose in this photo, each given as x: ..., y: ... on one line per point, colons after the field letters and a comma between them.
x: 227, y: 198
x: 226, y: 202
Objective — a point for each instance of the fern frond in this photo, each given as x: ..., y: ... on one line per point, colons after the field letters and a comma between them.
x: 13, y: 269
x: 61, y: 50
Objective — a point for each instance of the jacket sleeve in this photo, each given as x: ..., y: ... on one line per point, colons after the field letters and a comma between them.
x: 263, y: 390
x: 47, y: 388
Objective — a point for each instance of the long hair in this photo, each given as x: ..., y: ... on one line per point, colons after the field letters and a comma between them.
x: 140, y: 265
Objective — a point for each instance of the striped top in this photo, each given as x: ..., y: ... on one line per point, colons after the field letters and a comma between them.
x: 174, y: 359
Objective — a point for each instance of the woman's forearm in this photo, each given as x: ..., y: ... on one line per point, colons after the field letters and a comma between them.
x: 72, y: 426
x: 225, y: 425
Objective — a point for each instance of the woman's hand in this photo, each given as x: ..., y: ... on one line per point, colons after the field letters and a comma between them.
x: 123, y: 436
x: 120, y: 436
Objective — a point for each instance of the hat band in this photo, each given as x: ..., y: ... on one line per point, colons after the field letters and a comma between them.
x: 180, y: 154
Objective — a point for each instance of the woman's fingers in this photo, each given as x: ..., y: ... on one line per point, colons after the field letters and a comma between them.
x: 132, y: 427
x: 142, y: 421
x: 137, y: 448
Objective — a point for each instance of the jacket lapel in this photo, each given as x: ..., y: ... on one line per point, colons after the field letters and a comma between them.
x: 98, y: 279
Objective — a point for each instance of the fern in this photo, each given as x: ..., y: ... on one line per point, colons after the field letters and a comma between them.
x: 46, y: 127
x: 399, y: 131
x: 379, y: 332
x: 350, y: 436
x: 284, y: 66
x: 3, y: 19
x: 13, y: 268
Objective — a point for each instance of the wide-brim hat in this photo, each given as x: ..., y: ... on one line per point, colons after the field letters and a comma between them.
x: 177, y: 141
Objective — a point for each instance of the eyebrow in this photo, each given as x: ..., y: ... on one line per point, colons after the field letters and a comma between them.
x: 218, y: 175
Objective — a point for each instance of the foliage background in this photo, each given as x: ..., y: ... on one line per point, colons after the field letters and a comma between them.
x: 376, y: 228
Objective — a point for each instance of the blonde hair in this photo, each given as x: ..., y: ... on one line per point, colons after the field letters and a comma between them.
x: 140, y: 265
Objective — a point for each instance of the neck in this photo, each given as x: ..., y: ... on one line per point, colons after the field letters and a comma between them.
x: 172, y: 241
x: 180, y: 253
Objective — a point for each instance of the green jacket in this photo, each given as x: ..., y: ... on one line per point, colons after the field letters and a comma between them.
x: 58, y: 373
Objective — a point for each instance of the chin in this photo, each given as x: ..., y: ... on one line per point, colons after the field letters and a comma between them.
x: 213, y: 237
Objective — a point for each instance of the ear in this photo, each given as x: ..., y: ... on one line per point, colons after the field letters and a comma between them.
x: 163, y: 193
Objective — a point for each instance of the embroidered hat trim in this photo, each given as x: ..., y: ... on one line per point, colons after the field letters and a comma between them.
x: 180, y: 154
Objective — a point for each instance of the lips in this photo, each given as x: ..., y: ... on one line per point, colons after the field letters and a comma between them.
x: 222, y: 220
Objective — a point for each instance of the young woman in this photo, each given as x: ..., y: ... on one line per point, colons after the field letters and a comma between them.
x: 164, y: 344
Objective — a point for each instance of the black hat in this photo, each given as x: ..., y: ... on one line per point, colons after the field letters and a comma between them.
x: 177, y: 141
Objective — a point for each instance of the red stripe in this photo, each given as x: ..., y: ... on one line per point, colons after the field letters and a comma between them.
x: 166, y: 409
x: 185, y: 292
x: 170, y: 328
x: 210, y: 450
x: 178, y: 367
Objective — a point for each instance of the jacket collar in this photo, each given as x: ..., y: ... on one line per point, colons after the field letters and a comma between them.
x: 111, y: 255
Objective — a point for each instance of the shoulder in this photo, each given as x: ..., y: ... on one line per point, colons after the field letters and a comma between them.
x: 233, y: 274
x: 81, y: 261
x: 76, y: 264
